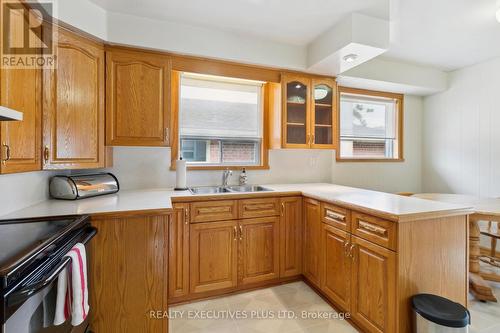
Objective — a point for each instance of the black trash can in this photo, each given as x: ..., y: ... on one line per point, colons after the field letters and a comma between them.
x: 436, y: 314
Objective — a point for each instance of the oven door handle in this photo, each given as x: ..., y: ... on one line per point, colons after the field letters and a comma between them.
x: 23, y: 294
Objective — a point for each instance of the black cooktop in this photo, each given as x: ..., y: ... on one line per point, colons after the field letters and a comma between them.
x: 24, y: 239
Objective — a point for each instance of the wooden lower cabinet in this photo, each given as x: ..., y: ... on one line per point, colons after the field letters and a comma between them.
x: 311, y: 243
x: 336, y: 273
x: 128, y: 273
x: 213, y: 256
x: 178, y: 252
x: 373, y: 303
x: 290, y: 237
x: 259, y: 249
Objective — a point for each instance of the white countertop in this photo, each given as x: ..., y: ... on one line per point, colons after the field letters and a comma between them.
x: 398, y: 208
x: 483, y: 206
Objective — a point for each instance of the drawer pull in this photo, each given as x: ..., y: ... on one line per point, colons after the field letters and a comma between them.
x: 259, y: 207
x: 372, y: 228
x: 335, y: 216
x: 209, y: 210
x: 241, y: 232
x: 235, y: 233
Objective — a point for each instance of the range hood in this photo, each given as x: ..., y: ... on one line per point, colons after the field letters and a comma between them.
x: 7, y: 114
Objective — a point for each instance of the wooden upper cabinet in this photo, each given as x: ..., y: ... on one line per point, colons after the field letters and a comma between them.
x: 213, y: 256
x: 308, y: 115
x: 373, y: 298
x: 336, y: 275
x: 291, y: 237
x: 311, y: 243
x: 137, y: 98
x: 296, y: 115
x: 73, y: 105
x: 323, y: 113
x: 259, y: 249
x: 21, y: 90
x: 178, y: 252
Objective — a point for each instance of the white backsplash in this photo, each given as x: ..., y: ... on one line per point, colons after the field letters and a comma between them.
x: 150, y: 168
x: 22, y: 190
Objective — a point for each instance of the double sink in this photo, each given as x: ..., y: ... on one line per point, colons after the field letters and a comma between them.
x: 228, y: 189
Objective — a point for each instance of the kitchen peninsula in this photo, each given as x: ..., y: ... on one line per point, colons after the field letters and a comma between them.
x: 366, y: 252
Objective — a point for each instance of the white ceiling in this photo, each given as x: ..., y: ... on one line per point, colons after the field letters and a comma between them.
x: 290, y: 21
x: 446, y: 34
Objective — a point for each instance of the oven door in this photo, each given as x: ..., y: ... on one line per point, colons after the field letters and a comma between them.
x: 36, y: 314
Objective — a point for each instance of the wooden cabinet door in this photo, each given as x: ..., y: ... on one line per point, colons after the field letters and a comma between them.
x: 21, y: 90
x: 128, y: 274
x: 336, y: 275
x: 323, y: 115
x: 296, y: 115
x: 73, y: 105
x: 137, y: 102
x: 291, y: 237
x: 312, y: 241
x: 178, y: 252
x: 259, y: 249
x: 213, y: 256
x: 373, y: 300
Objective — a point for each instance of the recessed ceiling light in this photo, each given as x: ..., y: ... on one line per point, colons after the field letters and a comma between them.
x: 298, y: 86
x: 498, y: 14
x: 350, y: 57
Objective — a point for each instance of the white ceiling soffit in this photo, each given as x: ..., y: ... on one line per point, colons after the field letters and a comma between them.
x: 360, y: 35
x: 364, y: 33
x: 295, y: 22
x: 394, y: 76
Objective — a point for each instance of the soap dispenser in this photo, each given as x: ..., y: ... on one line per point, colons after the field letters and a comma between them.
x: 243, y: 177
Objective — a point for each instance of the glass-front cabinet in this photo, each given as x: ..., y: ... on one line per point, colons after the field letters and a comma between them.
x: 296, y: 112
x: 322, y: 115
x: 308, y: 112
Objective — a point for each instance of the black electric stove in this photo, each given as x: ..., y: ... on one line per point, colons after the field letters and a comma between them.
x: 32, y: 254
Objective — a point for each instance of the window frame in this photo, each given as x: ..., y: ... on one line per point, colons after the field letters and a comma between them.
x: 175, y: 148
x: 399, y: 98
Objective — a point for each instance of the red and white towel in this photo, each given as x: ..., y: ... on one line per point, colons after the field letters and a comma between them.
x: 72, y: 289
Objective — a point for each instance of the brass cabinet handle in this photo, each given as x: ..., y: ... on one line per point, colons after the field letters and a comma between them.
x: 346, y: 244
x: 7, y: 152
x: 312, y: 139
x: 282, y: 209
x: 235, y: 233
x: 350, y: 251
x: 335, y: 216
x: 46, y: 153
x: 370, y: 227
x: 241, y: 232
x: 186, y: 216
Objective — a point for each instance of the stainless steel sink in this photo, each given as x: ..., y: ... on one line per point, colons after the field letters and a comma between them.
x: 228, y: 189
x: 247, y: 188
x: 208, y: 190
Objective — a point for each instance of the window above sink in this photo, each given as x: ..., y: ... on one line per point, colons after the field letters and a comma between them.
x: 221, y: 122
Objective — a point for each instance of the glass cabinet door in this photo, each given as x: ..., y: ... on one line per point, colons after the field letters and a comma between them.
x: 296, y: 104
x: 323, y: 121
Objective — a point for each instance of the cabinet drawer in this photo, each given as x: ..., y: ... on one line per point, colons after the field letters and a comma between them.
x: 376, y: 230
x: 208, y: 211
x: 259, y: 207
x: 336, y: 216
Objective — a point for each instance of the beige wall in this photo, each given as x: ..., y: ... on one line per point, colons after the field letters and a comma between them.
x: 390, y: 176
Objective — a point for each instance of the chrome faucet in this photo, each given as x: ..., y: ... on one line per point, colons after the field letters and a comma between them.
x: 225, y: 177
